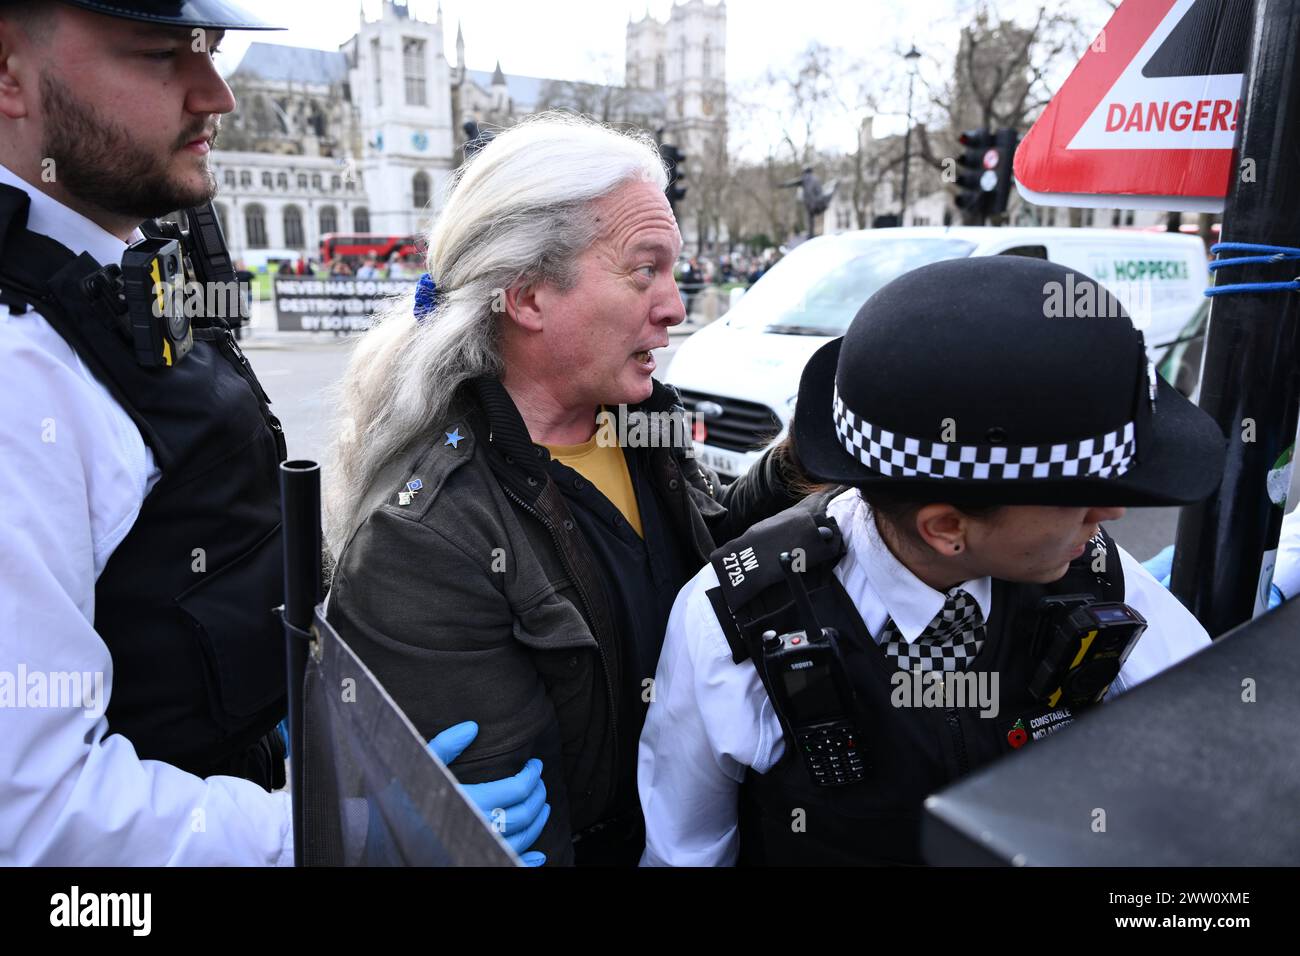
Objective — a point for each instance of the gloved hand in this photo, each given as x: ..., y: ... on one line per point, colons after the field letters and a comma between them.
x: 514, y: 806
x: 1161, y: 566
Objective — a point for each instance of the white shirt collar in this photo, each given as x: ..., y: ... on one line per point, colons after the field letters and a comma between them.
x: 49, y: 217
x: 907, y: 599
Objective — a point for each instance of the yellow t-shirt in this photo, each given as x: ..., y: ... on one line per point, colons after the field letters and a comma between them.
x: 606, y: 468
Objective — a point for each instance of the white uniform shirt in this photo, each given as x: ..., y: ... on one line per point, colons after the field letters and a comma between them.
x: 711, y: 718
x: 74, y: 471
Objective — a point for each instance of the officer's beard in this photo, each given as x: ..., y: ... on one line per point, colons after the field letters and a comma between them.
x: 100, y: 163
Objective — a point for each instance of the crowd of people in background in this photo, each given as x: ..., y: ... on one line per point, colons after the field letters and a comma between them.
x: 695, y: 273
x: 394, y: 267
x: 349, y: 267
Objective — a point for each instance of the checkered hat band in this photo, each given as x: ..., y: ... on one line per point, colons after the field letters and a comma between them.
x: 899, y: 456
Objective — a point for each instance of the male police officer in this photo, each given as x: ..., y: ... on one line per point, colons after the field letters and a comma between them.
x: 983, y: 446
x: 139, y: 549
x: 140, y: 546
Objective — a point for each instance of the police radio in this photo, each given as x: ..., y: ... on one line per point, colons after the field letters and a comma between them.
x: 1081, y: 644
x: 147, y: 292
x: 807, y: 675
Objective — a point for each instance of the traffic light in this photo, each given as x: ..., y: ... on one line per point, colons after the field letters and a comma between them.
x: 979, y: 181
x: 1007, y: 140
x: 674, y: 161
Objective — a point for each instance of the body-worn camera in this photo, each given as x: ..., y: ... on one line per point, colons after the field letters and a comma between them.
x: 807, y: 675
x: 1081, y: 644
x: 148, y: 291
x: 153, y: 279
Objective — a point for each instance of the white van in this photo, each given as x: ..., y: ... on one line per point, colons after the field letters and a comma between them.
x: 740, y: 374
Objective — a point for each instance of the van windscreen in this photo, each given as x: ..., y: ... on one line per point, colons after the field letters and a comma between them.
x: 819, y: 286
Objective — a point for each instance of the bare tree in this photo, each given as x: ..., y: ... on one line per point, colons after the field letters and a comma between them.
x: 709, y: 188
x: 867, y: 168
x: 763, y: 212
x: 1003, y: 75
x: 794, y: 106
x: 806, y: 96
x: 605, y: 102
x: 1003, y: 72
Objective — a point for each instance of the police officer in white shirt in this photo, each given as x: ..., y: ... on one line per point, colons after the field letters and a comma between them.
x: 972, y: 449
x: 141, y: 671
x: 141, y: 668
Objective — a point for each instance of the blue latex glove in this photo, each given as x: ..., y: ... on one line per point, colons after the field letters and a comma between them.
x: 514, y: 806
x: 1162, y: 564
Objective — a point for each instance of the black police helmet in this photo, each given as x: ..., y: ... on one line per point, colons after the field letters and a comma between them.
x: 1001, y: 380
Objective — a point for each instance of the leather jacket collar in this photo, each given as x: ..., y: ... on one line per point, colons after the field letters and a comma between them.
x: 509, y: 443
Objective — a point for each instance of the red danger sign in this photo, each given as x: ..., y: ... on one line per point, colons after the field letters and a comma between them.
x: 1149, y: 115
x: 1157, y: 117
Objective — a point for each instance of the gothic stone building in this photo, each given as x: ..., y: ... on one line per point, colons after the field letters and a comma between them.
x: 363, y: 139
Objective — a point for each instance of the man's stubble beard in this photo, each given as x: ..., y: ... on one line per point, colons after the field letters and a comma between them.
x: 99, y: 162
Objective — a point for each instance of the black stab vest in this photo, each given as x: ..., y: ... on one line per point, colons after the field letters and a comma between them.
x: 185, y: 602
x: 912, y: 751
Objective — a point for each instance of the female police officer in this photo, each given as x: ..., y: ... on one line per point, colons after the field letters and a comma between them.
x: 988, y: 415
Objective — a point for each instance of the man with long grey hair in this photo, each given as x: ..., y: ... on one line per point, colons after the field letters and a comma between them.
x: 502, y: 560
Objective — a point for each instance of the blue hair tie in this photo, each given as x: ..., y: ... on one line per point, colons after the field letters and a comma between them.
x: 426, y: 297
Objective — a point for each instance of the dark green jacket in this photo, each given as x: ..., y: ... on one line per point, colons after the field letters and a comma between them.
x: 480, y: 600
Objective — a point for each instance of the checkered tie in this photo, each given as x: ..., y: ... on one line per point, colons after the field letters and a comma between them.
x: 948, y: 643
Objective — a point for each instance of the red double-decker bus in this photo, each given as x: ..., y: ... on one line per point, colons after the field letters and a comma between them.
x: 335, y: 245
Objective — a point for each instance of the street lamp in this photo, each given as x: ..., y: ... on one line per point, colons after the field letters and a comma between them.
x: 911, y: 56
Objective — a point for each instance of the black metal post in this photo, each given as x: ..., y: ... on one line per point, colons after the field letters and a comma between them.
x: 300, y: 504
x: 1251, y: 376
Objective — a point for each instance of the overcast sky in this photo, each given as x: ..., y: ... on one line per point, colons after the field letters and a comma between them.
x: 584, y: 39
